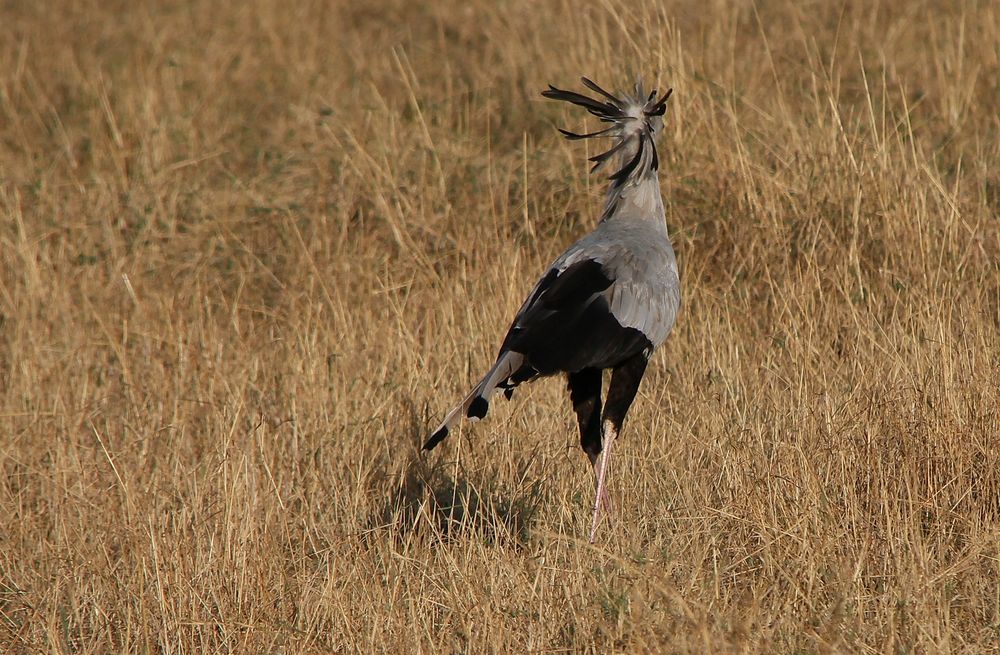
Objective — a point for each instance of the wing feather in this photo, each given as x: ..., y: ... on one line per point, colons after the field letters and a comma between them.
x: 568, y: 322
x: 635, y: 306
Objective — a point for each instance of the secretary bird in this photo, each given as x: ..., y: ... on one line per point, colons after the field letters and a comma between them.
x: 608, y: 300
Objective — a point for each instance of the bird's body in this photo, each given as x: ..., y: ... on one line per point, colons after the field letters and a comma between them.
x: 607, y: 301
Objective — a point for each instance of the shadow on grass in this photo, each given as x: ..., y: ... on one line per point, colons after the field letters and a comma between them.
x: 427, y: 502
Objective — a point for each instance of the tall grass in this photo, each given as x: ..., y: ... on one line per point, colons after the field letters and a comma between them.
x: 250, y: 252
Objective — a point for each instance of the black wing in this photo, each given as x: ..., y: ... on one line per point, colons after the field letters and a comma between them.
x: 566, y: 324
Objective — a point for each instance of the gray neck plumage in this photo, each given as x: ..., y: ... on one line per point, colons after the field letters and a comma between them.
x: 634, y: 192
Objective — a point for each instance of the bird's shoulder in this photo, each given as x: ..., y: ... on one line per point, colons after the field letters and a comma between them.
x: 633, y: 250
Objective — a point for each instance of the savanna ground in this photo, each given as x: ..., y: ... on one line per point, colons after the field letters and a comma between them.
x: 252, y: 251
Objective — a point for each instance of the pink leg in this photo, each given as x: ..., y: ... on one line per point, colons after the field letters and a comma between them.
x: 601, y: 468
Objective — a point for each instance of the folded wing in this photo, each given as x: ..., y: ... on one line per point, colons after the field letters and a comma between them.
x: 579, y: 317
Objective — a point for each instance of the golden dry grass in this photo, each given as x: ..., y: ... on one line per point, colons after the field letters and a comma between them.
x: 252, y: 251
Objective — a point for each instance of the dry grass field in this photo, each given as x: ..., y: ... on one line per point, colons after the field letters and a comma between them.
x: 250, y: 252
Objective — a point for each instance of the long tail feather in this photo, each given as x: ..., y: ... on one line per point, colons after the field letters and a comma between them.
x: 476, y: 404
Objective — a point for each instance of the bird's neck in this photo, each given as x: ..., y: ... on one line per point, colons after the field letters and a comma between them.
x: 635, y: 199
x: 634, y: 192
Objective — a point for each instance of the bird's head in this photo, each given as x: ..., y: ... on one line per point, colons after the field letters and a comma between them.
x: 636, y: 120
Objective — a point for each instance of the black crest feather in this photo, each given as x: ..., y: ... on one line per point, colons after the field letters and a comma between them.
x: 623, y: 111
